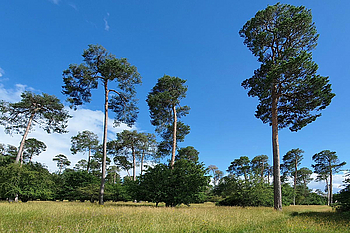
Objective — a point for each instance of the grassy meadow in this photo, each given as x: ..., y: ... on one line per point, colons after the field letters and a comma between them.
x: 130, y: 217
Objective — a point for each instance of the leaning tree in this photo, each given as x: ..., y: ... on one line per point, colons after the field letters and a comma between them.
x: 101, y: 66
x: 44, y: 110
x: 165, y: 109
x: 290, y: 92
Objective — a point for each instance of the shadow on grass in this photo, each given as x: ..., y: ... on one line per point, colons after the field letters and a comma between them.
x: 324, y: 216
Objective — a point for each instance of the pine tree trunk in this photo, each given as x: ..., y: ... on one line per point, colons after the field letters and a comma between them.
x: 174, y: 138
x: 330, y: 187
x: 20, y: 150
x: 133, y: 163
x: 102, y: 187
x: 328, y: 199
x: 142, y: 157
x: 276, y: 153
x: 89, y: 160
x: 295, y: 179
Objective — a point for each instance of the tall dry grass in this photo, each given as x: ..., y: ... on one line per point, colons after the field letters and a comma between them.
x: 129, y: 217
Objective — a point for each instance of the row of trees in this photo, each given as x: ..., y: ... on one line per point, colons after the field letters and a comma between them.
x: 248, y: 182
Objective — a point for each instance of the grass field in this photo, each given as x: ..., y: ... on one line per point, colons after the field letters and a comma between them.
x: 129, y: 217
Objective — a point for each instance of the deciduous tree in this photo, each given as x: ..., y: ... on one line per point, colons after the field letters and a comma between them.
x: 290, y: 92
x: 101, y: 66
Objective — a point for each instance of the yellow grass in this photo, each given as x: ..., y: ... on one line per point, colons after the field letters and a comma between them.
x: 129, y: 217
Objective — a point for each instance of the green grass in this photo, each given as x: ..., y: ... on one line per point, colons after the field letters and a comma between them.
x: 129, y: 217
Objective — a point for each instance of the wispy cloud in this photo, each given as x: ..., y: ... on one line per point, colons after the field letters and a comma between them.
x: 73, y: 6
x: 2, y: 72
x: 55, y: 1
x: 106, y: 22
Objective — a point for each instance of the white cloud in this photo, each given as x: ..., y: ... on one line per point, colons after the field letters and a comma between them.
x: 321, y: 185
x: 2, y: 72
x: 106, y: 24
x: 55, y: 1
x: 82, y: 119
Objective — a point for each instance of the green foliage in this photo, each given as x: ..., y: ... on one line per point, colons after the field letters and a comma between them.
x: 33, y: 147
x: 62, y: 161
x: 46, y: 111
x: 181, y: 184
x: 7, y: 154
x: 164, y: 106
x: 85, y: 141
x: 240, y: 167
x: 30, y: 182
x: 282, y: 37
x: 76, y: 185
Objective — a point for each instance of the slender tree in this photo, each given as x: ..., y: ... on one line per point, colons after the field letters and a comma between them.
x: 32, y: 147
x: 84, y: 141
x: 290, y: 92
x: 260, y: 165
x: 304, y: 176
x: 291, y: 161
x: 100, y: 65
x: 44, y: 110
x: 240, y: 167
x: 164, y: 105
x: 147, y: 147
x: 327, y: 164
x: 62, y: 162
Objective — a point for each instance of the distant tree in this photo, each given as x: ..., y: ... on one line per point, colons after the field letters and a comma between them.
x: 188, y: 153
x: 327, y: 164
x: 62, y: 162
x: 260, y: 165
x: 217, y: 176
x: 290, y: 92
x: 102, y: 66
x: 291, y: 161
x: 147, y: 148
x: 7, y: 154
x: 32, y: 147
x: 81, y: 165
x: 44, y: 110
x: 164, y: 105
x: 84, y: 141
x: 128, y: 144
x: 123, y: 163
x: 240, y: 167
x: 213, y: 169
x: 304, y: 176
x: 113, y: 175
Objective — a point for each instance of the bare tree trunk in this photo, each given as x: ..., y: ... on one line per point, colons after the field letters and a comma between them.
x: 142, y: 157
x: 20, y: 150
x: 330, y: 187
x: 276, y: 153
x: 89, y: 160
x: 295, y: 179
x: 327, y: 185
x: 102, y: 187
x: 133, y: 163
x: 174, y: 138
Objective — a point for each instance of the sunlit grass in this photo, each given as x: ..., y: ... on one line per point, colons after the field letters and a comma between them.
x: 130, y: 217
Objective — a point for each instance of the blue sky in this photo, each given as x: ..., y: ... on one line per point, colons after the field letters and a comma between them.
x: 194, y: 40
